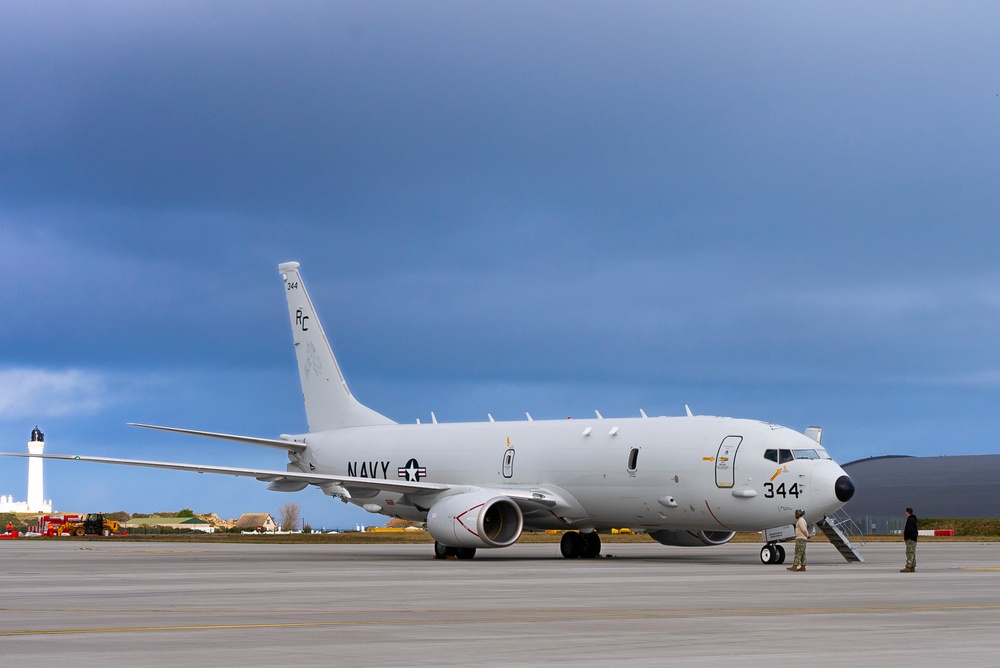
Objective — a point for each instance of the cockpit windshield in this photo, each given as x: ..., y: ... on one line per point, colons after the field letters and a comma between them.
x: 805, y: 454
x: 784, y: 456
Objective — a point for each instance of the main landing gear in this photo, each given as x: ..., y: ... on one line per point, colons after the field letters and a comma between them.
x: 443, y: 551
x: 580, y: 545
x: 772, y: 553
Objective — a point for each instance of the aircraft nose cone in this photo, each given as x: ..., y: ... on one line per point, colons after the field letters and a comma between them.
x: 844, y: 488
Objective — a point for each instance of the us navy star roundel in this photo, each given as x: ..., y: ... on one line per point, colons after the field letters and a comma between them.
x: 413, y: 471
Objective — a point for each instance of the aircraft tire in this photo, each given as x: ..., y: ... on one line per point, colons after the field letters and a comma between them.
x: 465, y: 552
x: 443, y: 551
x: 779, y: 554
x: 767, y: 554
x: 571, y: 545
x: 591, y: 545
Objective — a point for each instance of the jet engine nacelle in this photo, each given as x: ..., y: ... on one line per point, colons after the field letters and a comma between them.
x: 475, y: 519
x: 691, y: 538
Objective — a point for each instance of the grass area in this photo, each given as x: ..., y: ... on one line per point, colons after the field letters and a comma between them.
x: 965, y: 527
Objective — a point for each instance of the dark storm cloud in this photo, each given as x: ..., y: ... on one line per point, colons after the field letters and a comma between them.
x: 783, y: 211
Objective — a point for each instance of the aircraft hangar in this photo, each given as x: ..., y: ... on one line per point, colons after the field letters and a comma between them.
x: 959, y: 487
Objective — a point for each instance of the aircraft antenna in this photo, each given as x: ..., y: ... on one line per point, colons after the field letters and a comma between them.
x: 688, y: 409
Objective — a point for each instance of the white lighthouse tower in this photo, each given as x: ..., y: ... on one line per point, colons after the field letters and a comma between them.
x: 36, y: 500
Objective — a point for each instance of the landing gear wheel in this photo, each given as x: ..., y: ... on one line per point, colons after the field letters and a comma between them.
x: 465, y: 552
x: 591, y: 545
x: 571, y: 545
x: 443, y: 551
x: 767, y: 554
x: 779, y: 556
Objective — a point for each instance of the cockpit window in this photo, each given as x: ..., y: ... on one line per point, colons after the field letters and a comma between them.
x: 805, y: 454
x: 779, y: 456
x: 784, y: 456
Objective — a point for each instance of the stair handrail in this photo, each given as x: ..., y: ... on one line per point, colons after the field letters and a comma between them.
x: 842, y: 521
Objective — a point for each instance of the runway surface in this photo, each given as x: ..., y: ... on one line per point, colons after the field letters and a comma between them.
x: 67, y: 603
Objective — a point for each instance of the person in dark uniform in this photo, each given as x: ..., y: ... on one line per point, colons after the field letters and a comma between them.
x: 910, y: 539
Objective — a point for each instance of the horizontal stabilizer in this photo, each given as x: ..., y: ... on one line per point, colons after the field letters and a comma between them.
x: 290, y: 446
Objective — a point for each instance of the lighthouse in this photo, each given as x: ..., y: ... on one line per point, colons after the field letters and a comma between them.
x: 36, y: 502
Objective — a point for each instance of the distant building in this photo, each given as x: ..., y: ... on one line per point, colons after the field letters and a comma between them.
x: 255, y: 521
x: 36, y: 502
x: 179, y: 523
x: 953, y: 487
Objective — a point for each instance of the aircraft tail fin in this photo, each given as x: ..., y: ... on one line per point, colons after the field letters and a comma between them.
x: 329, y: 402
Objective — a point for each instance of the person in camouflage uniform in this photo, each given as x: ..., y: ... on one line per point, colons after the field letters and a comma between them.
x: 910, y: 534
x: 801, y: 536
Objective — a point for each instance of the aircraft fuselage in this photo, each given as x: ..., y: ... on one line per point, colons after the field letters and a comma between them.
x: 704, y: 473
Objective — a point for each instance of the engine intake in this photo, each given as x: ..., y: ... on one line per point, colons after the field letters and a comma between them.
x: 475, y: 519
x: 691, y: 538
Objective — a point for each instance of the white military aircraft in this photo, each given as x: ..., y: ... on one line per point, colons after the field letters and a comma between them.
x: 686, y: 481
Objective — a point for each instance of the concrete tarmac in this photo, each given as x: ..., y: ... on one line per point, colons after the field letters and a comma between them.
x: 72, y: 603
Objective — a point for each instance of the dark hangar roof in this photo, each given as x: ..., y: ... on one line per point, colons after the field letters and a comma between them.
x: 964, y: 486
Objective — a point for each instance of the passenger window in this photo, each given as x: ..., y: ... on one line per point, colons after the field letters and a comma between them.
x: 771, y: 455
x: 784, y: 456
x: 633, y: 459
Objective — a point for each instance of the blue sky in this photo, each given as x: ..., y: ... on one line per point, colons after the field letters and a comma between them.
x: 785, y: 211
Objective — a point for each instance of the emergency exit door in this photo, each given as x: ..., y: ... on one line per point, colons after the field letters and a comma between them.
x: 725, y: 461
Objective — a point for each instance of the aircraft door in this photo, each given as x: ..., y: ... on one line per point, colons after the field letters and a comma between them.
x: 508, y: 463
x: 725, y: 461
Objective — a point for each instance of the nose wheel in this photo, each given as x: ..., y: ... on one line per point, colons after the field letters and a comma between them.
x: 772, y: 553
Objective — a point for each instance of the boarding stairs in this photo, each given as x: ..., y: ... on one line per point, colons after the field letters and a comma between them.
x: 840, y: 528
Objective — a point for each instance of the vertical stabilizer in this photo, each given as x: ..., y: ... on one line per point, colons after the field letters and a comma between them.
x: 329, y: 402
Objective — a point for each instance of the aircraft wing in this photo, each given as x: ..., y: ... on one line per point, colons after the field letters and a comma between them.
x: 527, y: 498
x: 264, y: 475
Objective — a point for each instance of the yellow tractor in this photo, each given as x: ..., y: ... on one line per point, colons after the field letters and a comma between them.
x: 93, y: 524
